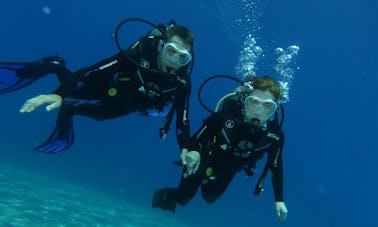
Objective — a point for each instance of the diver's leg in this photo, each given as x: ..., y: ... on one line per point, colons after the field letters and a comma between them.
x: 16, y: 75
x: 167, y: 198
x: 213, y: 189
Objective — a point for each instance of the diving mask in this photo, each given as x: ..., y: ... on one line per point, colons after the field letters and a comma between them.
x: 254, y: 105
x: 176, y: 54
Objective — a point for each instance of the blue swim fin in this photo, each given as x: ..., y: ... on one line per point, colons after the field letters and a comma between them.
x: 16, y: 75
x: 63, y: 135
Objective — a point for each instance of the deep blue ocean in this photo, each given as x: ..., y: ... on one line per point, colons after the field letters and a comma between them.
x: 330, y: 121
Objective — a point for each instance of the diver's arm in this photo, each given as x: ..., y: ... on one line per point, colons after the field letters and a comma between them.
x: 69, y: 85
x: 182, y: 116
x: 276, y: 169
x: 69, y: 82
x: 189, y: 158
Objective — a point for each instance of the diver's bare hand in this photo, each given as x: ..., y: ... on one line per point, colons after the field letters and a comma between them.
x: 190, y: 159
x: 52, y: 101
x: 281, y: 211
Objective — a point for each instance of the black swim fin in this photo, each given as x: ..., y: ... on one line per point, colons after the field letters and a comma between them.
x: 16, y: 75
x: 63, y: 135
x: 161, y: 199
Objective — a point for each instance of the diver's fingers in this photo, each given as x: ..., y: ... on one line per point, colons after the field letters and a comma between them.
x: 33, y: 103
x: 190, y: 170
x: 55, y: 100
x: 195, y: 168
x: 183, y: 154
x: 30, y: 105
x: 281, y: 211
x: 53, y: 105
x: 195, y: 160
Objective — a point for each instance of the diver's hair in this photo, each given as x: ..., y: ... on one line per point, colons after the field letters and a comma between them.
x: 266, y: 83
x: 183, y: 32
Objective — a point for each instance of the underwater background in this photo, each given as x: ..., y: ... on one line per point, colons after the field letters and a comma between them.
x: 109, y: 175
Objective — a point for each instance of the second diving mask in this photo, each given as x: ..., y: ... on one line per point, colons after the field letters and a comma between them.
x: 254, y: 105
x: 176, y: 54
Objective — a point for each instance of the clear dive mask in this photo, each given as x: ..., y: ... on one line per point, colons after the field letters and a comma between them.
x: 254, y: 105
x: 176, y: 54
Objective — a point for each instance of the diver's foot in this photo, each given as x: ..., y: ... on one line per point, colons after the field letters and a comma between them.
x: 161, y: 200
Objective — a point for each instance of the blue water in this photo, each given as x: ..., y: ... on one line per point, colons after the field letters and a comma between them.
x: 330, y: 124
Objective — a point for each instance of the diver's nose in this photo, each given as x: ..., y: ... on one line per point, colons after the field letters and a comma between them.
x: 259, y: 110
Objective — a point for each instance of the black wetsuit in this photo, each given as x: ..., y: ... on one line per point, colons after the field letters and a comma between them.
x: 227, y: 145
x: 117, y: 86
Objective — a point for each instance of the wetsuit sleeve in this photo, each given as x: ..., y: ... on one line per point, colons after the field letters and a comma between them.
x: 69, y: 84
x: 276, y: 169
x: 182, y: 116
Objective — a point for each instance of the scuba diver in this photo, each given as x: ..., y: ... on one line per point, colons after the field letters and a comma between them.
x: 149, y: 77
x: 231, y: 140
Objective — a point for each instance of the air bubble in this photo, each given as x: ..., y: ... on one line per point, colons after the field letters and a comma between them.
x: 46, y: 10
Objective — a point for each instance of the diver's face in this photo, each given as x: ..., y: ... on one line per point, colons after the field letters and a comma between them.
x: 259, y: 107
x: 174, y: 54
